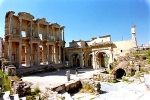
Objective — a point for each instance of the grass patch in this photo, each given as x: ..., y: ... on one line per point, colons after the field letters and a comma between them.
x: 86, y: 88
x: 125, y: 80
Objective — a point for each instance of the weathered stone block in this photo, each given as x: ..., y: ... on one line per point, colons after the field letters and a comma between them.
x: 10, y: 70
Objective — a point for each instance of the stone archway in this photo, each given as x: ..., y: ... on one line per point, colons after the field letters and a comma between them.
x: 120, y: 73
x: 102, y: 59
x: 75, y: 60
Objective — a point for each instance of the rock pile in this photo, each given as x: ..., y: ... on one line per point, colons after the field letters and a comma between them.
x: 21, y: 88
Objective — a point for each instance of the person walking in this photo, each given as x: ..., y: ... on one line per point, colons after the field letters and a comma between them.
x: 76, y: 71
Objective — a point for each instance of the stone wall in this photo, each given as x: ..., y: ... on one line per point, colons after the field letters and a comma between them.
x: 104, y: 77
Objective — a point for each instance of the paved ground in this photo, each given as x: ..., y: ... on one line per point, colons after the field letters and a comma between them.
x: 113, y: 91
x: 49, y: 79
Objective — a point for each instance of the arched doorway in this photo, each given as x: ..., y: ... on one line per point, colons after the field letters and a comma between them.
x: 75, y: 60
x: 120, y: 73
x: 89, y: 60
x: 102, y: 59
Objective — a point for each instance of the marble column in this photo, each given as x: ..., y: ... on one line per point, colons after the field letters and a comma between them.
x: 38, y: 54
x: 48, y: 57
x: 47, y: 32
x: 31, y: 34
x: 60, y: 61
x: 93, y: 53
x: 27, y: 58
x: 38, y: 29
x: 59, y: 34
x: 20, y: 26
x: 53, y: 33
x: 81, y: 60
x: 10, y: 25
x: 63, y: 54
x: 63, y: 35
x: 54, y: 53
x: 10, y: 51
x: 31, y: 56
x: 43, y: 53
x: 20, y: 56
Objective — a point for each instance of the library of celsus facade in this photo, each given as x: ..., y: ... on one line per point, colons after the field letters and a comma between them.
x: 32, y: 42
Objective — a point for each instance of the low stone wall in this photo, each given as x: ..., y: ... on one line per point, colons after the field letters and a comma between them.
x: 104, y: 77
x: 38, y: 69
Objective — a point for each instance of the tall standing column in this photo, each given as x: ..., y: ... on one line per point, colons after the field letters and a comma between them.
x: 54, y: 53
x: 93, y: 60
x: 10, y: 25
x: 31, y: 34
x: 10, y: 50
x: 47, y: 32
x: 60, y: 61
x: 38, y: 29
x: 81, y: 60
x: 20, y: 56
x: 59, y: 34
x: 63, y: 35
x: 38, y: 54
x: 20, y: 26
x: 31, y: 56
x: 52, y: 56
x: 48, y: 54
x: 53, y: 33
x: 64, y: 54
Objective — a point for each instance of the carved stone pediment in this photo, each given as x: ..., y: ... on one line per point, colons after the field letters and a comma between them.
x: 25, y: 15
x: 42, y: 21
x: 56, y: 25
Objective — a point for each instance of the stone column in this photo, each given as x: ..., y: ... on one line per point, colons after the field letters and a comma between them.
x: 54, y: 53
x: 43, y: 59
x: 60, y: 61
x: 27, y: 58
x: 53, y: 33
x: 81, y: 60
x: 93, y: 53
x: 47, y: 32
x: 10, y: 25
x: 20, y: 26
x: 63, y: 35
x: 20, y: 56
x: 10, y: 50
x: 48, y: 54
x: 59, y: 34
x: 38, y: 28
x: 31, y: 58
x: 63, y: 54
x: 52, y: 56
x: 31, y: 35
x: 38, y: 54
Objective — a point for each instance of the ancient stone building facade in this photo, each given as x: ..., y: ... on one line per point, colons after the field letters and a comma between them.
x: 32, y: 42
x: 98, y: 52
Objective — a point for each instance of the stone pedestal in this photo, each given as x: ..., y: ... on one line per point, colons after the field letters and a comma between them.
x: 68, y: 75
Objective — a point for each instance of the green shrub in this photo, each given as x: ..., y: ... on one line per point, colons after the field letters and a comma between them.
x: 89, y: 88
x: 35, y: 91
x: 125, y: 79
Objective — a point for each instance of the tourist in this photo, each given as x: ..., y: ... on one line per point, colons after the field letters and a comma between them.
x: 76, y: 71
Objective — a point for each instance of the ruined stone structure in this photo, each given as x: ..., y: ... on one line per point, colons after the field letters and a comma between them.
x: 98, y: 52
x: 30, y: 42
x: 35, y: 42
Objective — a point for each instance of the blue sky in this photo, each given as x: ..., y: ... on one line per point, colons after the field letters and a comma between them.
x: 85, y: 19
